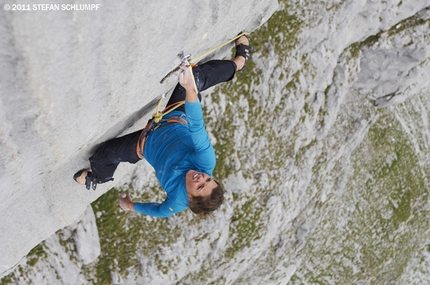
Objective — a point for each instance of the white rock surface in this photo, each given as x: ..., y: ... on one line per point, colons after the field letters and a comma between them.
x: 72, y: 79
x: 87, y: 237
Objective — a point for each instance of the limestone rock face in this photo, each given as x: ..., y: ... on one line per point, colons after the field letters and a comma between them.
x: 72, y: 79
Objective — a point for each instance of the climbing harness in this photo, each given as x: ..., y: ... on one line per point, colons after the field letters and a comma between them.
x: 156, y: 122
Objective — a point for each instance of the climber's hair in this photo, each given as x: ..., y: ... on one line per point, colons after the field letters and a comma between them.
x: 205, y: 206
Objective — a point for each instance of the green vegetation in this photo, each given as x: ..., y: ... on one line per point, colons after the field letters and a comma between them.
x: 246, y: 226
x: 405, y: 24
x: 280, y: 31
x: 124, y: 234
x: 38, y: 252
x: 394, y: 183
x: 382, y: 199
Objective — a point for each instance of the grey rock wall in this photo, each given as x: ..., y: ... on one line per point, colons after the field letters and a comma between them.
x: 72, y: 79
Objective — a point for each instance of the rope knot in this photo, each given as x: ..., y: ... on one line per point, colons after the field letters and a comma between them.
x: 157, y: 117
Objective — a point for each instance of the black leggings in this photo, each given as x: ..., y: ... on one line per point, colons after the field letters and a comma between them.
x: 206, y: 75
x: 106, y: 158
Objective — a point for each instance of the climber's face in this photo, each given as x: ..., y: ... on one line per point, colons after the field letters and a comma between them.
x: 199, y: 184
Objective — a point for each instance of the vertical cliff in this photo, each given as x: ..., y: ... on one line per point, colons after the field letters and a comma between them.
x: 71, y: 79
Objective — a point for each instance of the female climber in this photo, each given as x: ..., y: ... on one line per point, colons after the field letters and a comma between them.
x: 178, y: 147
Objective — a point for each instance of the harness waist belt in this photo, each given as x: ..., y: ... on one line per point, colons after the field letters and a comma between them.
x: 151, y: 127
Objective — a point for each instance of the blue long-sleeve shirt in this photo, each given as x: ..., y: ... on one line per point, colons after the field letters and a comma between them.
x: 173, y: 150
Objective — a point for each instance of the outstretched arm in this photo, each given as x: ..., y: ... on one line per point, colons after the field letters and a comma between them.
x: 160, y: 210
x: 205, y: 155
x: 186, y: 79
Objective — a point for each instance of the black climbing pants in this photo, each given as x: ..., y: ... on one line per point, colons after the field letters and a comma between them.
x: 109, y: 154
